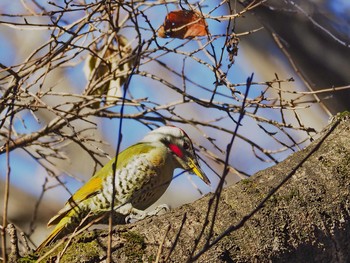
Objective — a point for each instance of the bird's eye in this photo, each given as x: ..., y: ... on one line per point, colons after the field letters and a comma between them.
x: 186, y: 146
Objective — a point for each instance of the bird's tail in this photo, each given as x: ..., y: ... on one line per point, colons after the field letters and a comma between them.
x: 57, y: 232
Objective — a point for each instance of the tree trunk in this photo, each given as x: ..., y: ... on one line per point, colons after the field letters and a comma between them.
x: 296, y: 211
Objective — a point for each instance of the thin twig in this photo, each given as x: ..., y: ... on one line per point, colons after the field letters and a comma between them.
x: 240, y: 224
x: 161, y: 244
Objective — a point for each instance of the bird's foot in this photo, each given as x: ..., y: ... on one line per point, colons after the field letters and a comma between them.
x: 160, y: 210
x: 136, y: 214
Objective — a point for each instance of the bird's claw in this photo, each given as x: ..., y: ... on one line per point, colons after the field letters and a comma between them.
x: 160, y: 210
x: 136, y: 214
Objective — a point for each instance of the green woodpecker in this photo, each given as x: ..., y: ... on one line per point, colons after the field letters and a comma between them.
x: 143, y: 173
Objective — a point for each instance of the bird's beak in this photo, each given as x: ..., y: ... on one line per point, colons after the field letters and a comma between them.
x: 197, y: 170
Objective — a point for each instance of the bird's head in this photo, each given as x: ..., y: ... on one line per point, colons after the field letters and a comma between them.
x: 180, y: 146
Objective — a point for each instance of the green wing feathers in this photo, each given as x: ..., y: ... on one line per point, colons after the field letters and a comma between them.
x: 94, y: 185
x: 58, y: 231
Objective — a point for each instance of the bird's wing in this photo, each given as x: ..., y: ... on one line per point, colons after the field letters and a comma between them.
x: 94, y: 185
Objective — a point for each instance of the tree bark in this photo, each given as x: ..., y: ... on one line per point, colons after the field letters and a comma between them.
x: 296, y: 211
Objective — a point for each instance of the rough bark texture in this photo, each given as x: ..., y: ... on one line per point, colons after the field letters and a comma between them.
x: 306, y: 220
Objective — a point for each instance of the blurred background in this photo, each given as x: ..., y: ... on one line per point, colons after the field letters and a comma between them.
x: 297, y: 50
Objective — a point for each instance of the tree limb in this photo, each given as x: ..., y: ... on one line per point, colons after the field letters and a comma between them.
x: 306, y: 219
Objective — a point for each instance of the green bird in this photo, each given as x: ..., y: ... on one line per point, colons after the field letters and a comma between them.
x: 143, y: 173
